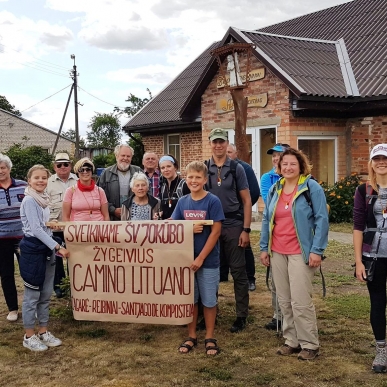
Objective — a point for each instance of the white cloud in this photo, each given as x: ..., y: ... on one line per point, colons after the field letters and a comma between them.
x: 149, y: 75
x: 135, y: 39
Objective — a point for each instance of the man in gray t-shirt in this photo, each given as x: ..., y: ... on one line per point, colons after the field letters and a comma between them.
x: 236, y: 202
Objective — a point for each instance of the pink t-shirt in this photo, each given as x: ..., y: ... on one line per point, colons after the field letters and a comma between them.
x: 85, y: 205
x: 284, y: 234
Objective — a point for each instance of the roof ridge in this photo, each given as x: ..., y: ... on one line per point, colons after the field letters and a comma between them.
x: 290, y: 37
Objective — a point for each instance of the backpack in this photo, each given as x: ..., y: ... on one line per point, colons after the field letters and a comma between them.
x: 233, y: 166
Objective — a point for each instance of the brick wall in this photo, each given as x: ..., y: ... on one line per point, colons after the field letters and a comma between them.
x: 15, y: 130
x: 366, y: 132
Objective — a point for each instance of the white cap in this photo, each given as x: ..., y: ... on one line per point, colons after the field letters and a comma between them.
x: 379, y: 150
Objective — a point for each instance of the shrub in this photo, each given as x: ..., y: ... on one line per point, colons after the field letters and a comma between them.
x: 340, y: 198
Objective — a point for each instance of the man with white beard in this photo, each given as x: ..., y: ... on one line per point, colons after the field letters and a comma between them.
x: 115, y: 180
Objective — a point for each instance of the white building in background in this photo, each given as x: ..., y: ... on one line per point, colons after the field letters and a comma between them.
x: 17, y: 130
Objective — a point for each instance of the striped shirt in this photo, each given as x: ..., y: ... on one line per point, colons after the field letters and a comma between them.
x: 10, y: 201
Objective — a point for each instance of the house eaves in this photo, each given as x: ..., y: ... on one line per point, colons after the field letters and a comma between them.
x: 32, y: 123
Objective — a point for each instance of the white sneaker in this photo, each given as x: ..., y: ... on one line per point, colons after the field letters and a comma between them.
x: 34, y: 344
x: 49, y: 339
x: 13, y: 315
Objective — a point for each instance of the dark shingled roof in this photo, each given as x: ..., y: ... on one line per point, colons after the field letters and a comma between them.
x: 363, y: 26
x: 313, y: 65
x: 166, y: 106
x: 337, y: 52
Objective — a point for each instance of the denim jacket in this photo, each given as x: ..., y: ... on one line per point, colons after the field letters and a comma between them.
x: 310, y: 222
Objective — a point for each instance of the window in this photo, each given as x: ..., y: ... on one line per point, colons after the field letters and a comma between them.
x: 322, y: 154
x: 172, y: 146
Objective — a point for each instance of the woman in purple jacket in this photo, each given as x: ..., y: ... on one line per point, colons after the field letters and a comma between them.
x: 370, y: 243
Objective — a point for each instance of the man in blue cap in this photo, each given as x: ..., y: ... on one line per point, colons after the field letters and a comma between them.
x: 267, y: 180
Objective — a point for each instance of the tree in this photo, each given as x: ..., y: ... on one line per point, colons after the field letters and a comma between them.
x: 70, y: 134
x: 23, y: 158
x: 136, y: 104
x: 5, y: 105
x: 105, y: 131
x: 104, y: 161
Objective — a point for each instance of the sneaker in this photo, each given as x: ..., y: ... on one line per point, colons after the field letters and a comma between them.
x: 287, y: 350
x: 252, y: 286
x: 49, y: 339
x: 273, y: 325
x: 238, y: 325
x: 308, y: 354
x: 34, y: 344
x: 13, y: 315
x: 380, y: 362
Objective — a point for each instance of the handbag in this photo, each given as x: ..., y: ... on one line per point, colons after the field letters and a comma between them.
x: 369, y: 265
x: 370, y: 262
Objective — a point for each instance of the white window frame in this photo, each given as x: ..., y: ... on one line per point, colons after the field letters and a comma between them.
x: 166, y: 147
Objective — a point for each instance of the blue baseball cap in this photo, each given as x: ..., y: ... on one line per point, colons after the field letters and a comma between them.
x: 278, y: 148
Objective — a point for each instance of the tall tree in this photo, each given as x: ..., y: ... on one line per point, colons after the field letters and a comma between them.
x: 105, y: 131
x: 5, y: 105
x: 136, y: 104
x: 70, y: 134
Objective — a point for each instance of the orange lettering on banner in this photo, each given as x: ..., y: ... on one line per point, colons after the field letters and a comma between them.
x: 131, y: 271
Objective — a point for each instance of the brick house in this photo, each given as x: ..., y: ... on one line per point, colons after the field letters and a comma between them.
x: 15, y: 129
x: 319, y: 84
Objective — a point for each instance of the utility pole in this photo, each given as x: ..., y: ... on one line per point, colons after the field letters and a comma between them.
x: 75, y: 87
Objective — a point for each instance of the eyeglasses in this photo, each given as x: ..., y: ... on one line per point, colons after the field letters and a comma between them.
x: 59, y: 165
x: 85, y: 169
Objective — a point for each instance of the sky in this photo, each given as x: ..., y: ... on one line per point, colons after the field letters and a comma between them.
x: 120, y: 47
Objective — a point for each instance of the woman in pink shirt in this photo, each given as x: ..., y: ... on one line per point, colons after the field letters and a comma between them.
x: 293, y: 238
x: 85, y: 201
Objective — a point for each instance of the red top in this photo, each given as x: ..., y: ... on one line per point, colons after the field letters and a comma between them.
x: 284, y: 234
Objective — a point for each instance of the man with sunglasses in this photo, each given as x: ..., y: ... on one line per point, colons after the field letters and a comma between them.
x: 57, y: 185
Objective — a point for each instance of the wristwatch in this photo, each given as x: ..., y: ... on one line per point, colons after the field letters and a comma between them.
x: 247, y: 229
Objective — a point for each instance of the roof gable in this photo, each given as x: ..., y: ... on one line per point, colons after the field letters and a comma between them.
x: 363, y: 26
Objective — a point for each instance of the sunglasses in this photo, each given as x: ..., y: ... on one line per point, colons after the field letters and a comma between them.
x: 59, y: 165
x: 85, y: 169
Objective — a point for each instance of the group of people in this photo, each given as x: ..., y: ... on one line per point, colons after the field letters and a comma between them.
x: 293, y: 238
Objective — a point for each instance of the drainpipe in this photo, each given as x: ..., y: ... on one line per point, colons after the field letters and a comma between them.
x: 137, y: 141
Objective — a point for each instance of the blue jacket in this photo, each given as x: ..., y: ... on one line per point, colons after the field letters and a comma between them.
x: 32, y: 262
x: 267, y: 180
x: 252, y: 180
x: 311, y: 225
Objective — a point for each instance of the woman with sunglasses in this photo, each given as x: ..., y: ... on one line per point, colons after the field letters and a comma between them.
x: 85, y: 201
x: 172, y: 186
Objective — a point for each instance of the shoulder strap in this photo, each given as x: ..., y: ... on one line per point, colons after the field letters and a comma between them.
x: 307, y: 196
x: 179, y: 189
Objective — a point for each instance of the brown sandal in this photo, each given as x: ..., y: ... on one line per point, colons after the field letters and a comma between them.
x: 211, y: 347
x: 188, y: 346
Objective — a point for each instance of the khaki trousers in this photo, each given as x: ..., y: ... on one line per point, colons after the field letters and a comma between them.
x: 293, y: 280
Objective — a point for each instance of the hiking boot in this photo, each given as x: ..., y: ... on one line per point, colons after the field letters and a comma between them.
x: 34, y: 344
x: 49, y: 339
x: 308, y: 354
x: 273, y: 324
x: 287, y: 350
x: 380, y: 362
x: 238, y: 325
x: 252, y: 286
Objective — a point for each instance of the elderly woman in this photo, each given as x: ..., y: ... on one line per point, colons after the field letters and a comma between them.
x: 172, y: 186
x: 293, y: 238
x: 85, y: 201
x: 141, y: 205
x: 11, y: 196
